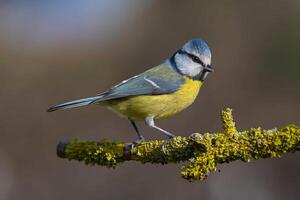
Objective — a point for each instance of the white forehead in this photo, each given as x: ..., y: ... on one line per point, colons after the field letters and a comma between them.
x: 205, y: 59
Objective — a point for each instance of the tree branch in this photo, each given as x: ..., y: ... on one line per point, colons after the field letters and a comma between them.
x: 203, y: 152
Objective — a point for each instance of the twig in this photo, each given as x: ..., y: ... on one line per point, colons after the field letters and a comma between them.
x: 203, y: 152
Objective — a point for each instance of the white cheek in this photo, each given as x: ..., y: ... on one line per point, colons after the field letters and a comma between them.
x: 186, y: 65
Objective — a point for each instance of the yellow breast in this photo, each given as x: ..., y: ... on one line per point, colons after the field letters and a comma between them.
x: 158, y: 106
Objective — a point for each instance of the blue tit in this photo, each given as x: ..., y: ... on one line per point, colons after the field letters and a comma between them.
x: 159, y: 92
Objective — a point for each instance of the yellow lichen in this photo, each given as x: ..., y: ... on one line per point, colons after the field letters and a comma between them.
x: 203, y: 152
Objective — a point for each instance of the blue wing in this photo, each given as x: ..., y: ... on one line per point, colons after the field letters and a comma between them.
x: 159, y: 80
x: 162, y: 79
x: 141, y: 85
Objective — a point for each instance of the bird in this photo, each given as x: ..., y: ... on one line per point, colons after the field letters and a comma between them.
x: 159, y: 92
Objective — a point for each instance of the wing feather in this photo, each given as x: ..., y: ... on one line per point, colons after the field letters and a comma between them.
x: 160, y: 80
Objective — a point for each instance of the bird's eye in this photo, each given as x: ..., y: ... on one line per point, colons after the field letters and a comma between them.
x: 195, y: 59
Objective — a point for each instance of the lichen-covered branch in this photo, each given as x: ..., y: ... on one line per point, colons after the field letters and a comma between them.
x: 202, y: 151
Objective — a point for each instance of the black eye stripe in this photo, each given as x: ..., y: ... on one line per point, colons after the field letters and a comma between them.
x: 196, y: 59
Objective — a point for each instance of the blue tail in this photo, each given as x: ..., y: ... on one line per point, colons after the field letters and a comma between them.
x: 74, y: 104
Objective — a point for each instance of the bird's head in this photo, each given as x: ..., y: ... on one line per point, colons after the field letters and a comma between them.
x: 193, y: 59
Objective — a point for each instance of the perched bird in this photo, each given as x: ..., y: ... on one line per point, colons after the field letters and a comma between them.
x: 159, y: 92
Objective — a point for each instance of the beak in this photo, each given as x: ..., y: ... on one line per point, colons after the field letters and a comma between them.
x: 208, y: 68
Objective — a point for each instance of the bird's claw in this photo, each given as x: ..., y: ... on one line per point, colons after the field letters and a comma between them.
x: 136, y: 142
x: 165, y: 143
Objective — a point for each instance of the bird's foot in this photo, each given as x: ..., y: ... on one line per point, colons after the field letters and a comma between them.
x: 136, y: 142
x: 166, y: 142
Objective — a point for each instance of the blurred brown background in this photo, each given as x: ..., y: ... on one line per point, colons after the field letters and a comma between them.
x: 52, y: 51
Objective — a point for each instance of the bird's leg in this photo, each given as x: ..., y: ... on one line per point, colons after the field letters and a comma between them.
x: 140, y: 139
x: 150, y: 122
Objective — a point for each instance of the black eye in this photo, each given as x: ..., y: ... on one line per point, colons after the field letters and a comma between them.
x: 195, y: 59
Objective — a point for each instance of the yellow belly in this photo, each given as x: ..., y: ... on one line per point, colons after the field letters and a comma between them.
x: 158, y: 106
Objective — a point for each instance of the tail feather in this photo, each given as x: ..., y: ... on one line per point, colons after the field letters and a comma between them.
x: 74, y: 104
